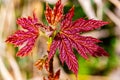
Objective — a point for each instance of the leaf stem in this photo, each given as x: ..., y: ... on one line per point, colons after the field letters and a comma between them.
x: 51, y: 71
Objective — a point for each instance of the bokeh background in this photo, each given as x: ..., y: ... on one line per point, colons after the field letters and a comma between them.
x: 102, y: 68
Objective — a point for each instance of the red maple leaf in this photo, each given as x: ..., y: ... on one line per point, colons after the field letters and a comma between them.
x: 25, y: 37
x: 55, y: 15
x: 69, y: 37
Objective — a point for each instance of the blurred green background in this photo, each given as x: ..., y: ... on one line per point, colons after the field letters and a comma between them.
x: 102, y: 68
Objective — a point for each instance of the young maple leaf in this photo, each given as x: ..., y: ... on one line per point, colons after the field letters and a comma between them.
x: 69, y: 37
x: 55, y: 15
x: 25, y: 37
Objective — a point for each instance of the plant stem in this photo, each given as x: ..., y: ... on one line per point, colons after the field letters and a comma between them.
x: 51, y: 71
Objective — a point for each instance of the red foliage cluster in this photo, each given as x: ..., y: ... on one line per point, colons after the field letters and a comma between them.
x: 65, y: 39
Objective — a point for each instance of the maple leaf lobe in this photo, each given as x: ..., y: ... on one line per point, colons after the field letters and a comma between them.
x: 81, y: 25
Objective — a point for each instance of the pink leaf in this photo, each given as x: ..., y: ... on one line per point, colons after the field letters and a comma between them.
x: 26, y: 38
x: 69, y: 38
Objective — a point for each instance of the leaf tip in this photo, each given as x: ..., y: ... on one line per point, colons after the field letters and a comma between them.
x: 73, y: 8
